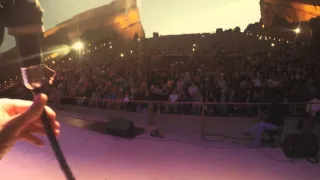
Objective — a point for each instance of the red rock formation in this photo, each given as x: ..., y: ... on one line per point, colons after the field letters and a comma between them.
x: 290, y: 10
x: 120, y: 17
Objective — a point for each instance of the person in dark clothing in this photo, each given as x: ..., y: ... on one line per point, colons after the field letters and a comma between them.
x: 273, y: 122
x: 275, y: 113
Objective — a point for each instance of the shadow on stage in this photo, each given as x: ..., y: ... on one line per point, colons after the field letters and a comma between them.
x: 115, y: 126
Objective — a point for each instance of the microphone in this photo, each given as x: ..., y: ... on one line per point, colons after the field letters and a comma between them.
x: 23, y: 18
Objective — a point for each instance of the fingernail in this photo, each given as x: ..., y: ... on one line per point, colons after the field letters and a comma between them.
x: 57, y: 132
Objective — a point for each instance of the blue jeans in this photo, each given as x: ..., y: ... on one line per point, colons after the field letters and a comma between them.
x: 258, y: 129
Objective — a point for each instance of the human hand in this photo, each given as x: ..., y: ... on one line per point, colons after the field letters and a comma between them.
x: 21, y: 120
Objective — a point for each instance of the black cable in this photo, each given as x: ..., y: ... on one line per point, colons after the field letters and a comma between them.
x: 55, y: 146
x: 26, y: 16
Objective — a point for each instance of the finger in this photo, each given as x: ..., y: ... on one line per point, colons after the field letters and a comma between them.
x: 21, y: 106
x: 40, y: 130
x: 20, y: 122
x: 32, y: 139
x: 54, y: 123
x: 52, y: 116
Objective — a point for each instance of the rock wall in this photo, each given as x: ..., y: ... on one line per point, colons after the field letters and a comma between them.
x: 290, y: 10
x: 121, y: 17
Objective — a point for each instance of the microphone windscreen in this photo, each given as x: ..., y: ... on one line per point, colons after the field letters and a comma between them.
x: 29, y: 47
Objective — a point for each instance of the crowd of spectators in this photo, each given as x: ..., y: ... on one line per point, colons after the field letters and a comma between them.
x: 222, y: 67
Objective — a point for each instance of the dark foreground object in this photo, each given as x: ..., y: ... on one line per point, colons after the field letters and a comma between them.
x: 304, y: 145
x: 119, y: 127
x: 156, y: 133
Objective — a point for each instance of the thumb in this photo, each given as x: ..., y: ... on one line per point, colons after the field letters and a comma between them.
x: 32, y: 114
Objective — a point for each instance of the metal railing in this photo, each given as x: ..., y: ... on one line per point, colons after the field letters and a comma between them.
x: 230, y: 109
x: 199, y: 110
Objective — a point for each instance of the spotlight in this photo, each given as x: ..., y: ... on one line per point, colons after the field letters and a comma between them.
x: 297, y: 30
x: 77, y: 46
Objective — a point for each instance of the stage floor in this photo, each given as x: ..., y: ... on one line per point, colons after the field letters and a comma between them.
x: 95, y: 156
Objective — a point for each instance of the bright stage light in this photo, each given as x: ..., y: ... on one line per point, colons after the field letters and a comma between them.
x: 77, y: 46
x: 297, y: 30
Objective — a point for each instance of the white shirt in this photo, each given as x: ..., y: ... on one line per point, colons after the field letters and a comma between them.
x: 313, y: 107
x: 193, y: 90
x: 126, y: 99
x: 174, y: 97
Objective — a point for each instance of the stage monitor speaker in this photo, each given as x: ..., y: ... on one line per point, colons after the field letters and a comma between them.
x: 301, y: 145
x: 120, y: 127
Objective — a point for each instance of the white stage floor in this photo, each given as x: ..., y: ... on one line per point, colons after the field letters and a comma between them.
x: 94, y: 156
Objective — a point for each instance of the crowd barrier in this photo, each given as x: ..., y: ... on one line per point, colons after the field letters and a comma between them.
x: 230, y: 109
x: 202, y: 118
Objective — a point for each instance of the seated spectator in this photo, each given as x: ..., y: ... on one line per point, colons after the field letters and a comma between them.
x: 193, y: 90
x: 173, y: 98
x: 311, y: 109
x: 273, y: 122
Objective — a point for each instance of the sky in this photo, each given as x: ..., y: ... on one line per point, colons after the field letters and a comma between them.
x: 163, y: 16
